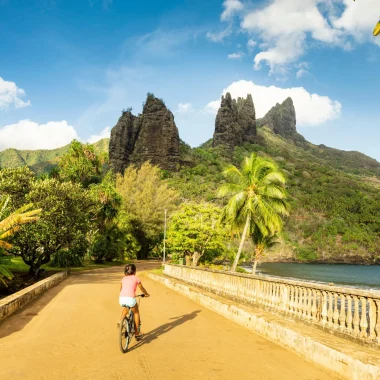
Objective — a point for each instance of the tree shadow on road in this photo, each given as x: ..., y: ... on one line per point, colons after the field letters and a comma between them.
x: 163, y: 329
x: 22, y: 317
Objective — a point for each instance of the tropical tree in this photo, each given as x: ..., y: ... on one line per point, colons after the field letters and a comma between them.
x: 262, y: 243
x: 81, y: 164
x: 16, y: 183
x: 68, y: 211
x: 108, y: 238
x: 145, y: 197
x: 194, y: 231
x: 9, y: 225
x: 257, y: 198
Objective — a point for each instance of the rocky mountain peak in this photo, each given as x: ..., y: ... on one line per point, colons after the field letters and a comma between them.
x: 235, y: 121
x: 151, y: 136
x: 281, y: 119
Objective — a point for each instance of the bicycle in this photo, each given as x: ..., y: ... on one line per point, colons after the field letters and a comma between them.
x: 127, y: 328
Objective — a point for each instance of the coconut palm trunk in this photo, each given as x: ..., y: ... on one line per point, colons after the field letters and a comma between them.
x: 237, y: 257
x: 254, y: 267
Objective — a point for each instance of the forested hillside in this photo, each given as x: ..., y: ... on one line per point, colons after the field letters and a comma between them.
x: 334, y: 195
x: 42, y: 160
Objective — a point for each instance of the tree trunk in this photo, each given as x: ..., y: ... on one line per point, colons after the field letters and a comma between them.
x: 254, y: 267
x: 237, y: 257
x: 259, y: 250
x: 188, y: 259
x: 196, y: 257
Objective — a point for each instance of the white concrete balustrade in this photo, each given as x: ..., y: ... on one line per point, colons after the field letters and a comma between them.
x: 352, y: 312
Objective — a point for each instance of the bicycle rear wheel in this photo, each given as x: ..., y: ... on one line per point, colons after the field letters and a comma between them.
x: 124, y: 335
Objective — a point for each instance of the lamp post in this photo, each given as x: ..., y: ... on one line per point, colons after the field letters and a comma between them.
x: 165, y: 237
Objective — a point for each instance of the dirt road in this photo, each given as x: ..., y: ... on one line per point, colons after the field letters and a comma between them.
x: 70, y: 333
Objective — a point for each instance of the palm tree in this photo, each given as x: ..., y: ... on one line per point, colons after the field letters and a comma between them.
x: 376, y: 31
x: 257, y: 198
x: 9, y: 225
x: 262, y: 243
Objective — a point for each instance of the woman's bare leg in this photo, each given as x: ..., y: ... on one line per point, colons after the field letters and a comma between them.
x: 124, y: 312
x: 136, y: 313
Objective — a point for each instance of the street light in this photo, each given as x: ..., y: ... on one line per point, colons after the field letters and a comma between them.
x: 165, y: 236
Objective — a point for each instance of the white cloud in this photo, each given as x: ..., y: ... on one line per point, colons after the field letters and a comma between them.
x: 184, y: 108
x: 104, y: 134
x: 286, y: 28
x: 220, y: 36
x: 10, y: 95
x: 235, y: 56
x: 162, y: 42
x: 27, y: 134
x: 230, y: 8
x: 301, y: 73
x: 311, y: 109
x: 359, y: 18
x: 251, y: 45
x: 303, y: 69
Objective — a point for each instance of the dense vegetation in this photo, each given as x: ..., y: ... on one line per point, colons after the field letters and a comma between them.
x: 334, y: 199
x: 334, y: 196
x: 84, y: 212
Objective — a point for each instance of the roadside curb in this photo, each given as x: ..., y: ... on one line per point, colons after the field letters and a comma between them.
x: 9, y: 305
x: 345, y: 364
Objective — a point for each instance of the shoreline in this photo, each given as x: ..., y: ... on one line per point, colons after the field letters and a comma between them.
x: 334, y: 262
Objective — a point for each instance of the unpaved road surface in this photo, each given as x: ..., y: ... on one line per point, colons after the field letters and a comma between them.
x: 70, y: 333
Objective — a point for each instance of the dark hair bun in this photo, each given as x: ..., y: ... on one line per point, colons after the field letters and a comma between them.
x: 130, y: 269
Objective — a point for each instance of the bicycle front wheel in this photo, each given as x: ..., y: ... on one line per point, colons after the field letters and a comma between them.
x: 124, y: 335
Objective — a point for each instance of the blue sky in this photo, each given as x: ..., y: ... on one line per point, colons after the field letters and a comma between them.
x: 68, y: 68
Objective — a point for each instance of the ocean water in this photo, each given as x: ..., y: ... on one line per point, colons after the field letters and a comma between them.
x: 362, y: 276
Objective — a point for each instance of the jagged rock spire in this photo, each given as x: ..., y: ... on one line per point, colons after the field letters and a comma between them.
x: 235, y: 122
x: 281, y: 119
x: 151, y: 136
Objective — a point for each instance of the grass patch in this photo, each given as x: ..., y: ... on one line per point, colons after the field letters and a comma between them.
x: 16, y: 264
x: 158, y: 271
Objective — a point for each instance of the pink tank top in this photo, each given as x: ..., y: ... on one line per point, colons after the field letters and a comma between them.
x: 129, y: 285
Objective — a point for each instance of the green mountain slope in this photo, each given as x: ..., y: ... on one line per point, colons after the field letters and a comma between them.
x: 42, y: 160
x: 334, y: 195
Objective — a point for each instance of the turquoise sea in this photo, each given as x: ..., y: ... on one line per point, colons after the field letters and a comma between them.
x: 363, y: 276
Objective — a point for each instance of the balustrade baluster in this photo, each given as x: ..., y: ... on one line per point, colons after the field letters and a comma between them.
x: 324, y: 308
x: 349, y: 315
x: 372, y: 318
x: 356, y: 316
x: 336, y: 311
x: 363, y: 320
x: 330, y: 310
x: 284, y: 297
x: 314, y: 305
x: 291, y: 299
x: 377, y: 323
x: 297, y: 300
x: 342, y: 315
x: 309, y: 303
x: 303, y: 302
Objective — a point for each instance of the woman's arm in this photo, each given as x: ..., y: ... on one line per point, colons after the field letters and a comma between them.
x: 143, y: 289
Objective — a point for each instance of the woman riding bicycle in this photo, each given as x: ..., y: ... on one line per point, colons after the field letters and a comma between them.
x: 128, y: 293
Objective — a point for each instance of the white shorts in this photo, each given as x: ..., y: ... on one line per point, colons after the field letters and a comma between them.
x: 127, y: 301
